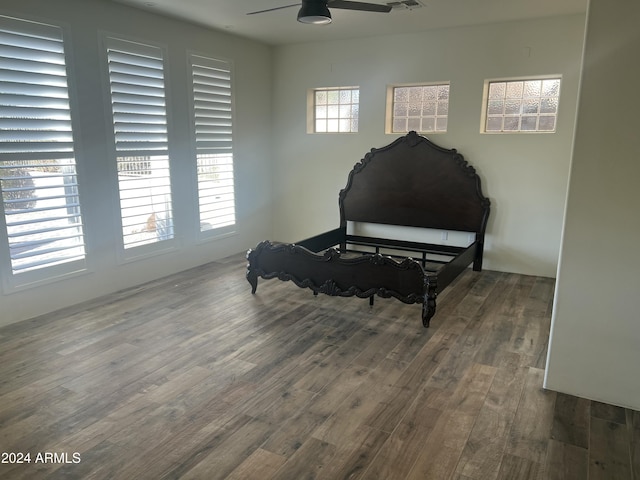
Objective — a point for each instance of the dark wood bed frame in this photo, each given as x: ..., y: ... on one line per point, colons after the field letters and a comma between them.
x: 411, y: 182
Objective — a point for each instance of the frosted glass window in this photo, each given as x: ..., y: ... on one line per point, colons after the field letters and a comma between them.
x: 336, y: 110
x: 423, y: 108
x: 522, y: 106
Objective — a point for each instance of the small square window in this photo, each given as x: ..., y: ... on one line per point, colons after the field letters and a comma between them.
x: 422, y: 107
x: 516, y: 106
x: 334, y: 110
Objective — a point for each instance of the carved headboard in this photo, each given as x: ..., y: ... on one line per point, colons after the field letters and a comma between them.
x: 413, y: 182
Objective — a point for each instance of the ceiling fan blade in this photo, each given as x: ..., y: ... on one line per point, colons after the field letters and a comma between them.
x: 366, y: 7
x: 276, y: 8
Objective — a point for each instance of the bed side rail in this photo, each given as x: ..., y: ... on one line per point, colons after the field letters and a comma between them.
x: 324, y: 240
x: 404, y: 245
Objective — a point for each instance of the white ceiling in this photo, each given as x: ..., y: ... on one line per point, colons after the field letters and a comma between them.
x: 280, y: 27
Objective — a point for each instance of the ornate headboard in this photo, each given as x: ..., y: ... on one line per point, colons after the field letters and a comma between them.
x: 414, y: 182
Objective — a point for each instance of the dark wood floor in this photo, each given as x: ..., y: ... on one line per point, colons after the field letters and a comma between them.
x: 193, y: 377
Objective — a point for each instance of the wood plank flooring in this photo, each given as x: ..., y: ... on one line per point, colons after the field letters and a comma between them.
x: 192, y: 377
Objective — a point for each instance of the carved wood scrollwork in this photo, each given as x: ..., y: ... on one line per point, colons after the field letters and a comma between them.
x: 264, y: 258
x: 330, y: 288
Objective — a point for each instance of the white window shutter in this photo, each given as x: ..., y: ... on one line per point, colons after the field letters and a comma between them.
x: 37, y: 165
x: 138, y: 102
x: 213, y: 127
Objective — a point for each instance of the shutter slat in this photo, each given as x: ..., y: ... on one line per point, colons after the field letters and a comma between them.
x: 13, y: 33
x: 24, y: 78
x: 35, y: 124
x: 41, y: 241
x: 38, y: 113
x: 203, y: 114
x: 47, y: 258
x: 39, y: 148
x: 39, y: 101
x: 151, y: 95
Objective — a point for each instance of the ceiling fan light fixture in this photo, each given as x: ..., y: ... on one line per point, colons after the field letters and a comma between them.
x: 315, y: 13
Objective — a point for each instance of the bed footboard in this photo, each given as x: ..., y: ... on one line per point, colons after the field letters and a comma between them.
x: 345, y: 276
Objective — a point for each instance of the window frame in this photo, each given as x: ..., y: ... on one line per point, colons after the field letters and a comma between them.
x: 208, y: 60
x: 485, y: 105
x: 312, y: 111
x: 160, y: 246
x: 16, y: 281
x: 390, y: 108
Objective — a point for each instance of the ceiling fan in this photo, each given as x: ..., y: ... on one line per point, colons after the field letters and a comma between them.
x: 317, y: 11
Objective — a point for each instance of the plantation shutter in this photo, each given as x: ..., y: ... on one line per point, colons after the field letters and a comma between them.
x: 37, y: 162
x: 213, y: 126
x: 136, y: 78
x: 136, y: 74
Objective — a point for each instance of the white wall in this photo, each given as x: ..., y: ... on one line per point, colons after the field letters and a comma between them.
x: 525, y: 175
x: 83, y: 21
x: 595, y: 335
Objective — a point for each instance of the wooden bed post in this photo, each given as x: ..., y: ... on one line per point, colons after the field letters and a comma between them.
x: 252, y: 278
x: 429, y: 300
x: 477, y: 262
x: 252, y: 275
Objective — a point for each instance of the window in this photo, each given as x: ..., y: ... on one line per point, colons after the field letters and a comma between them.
x: 213, y: 116
x: 518, y: 106
x: 136, y: 78
x: 423, y: 108
x: 335, y: 110
x: 41, y: 206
